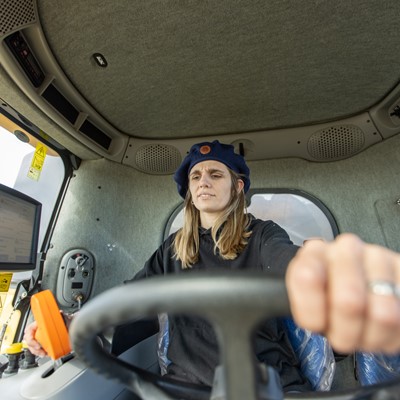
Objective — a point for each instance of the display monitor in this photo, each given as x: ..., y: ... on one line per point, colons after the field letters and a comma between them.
x: 19, y: 230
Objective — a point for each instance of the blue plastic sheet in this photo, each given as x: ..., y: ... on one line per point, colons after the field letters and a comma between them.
x: 163, y: 342
x: 377, y: 368
x: 317, y: 361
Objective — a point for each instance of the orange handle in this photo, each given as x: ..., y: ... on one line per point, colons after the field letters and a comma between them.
x: 52, y: 333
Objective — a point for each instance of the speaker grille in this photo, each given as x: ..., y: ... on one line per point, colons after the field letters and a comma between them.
x: 158, y: 159
x: 336, y: 142
x: 15, y: 14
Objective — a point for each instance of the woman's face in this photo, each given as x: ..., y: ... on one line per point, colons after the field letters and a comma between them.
x: 210, y: 185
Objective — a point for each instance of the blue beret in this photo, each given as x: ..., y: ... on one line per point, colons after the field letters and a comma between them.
x: 216, y: 151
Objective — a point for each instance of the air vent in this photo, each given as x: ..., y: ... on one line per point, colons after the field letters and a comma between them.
x: 16, y: 14
x: 23, y: 54
x: 336, y: 142
x: 96, y: 134
x: 60, y: 103
x: 158, y: 159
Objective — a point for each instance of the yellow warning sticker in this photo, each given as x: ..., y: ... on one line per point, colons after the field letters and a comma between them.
x: 37, y: 162
x: 5, y: 280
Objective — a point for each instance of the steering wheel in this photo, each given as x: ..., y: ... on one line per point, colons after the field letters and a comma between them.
x: 235, y: 304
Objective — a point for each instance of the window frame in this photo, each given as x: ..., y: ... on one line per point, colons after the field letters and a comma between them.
x: 66, y: 157
x: 25, y: 288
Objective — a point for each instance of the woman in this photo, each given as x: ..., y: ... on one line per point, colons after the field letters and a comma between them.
x: 345, y: 289
x: 218, y: 235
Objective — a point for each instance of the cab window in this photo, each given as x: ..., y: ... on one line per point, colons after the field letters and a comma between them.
x: 301, y: 215
x: 30, y: 166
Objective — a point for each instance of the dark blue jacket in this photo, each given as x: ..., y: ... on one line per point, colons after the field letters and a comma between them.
x: 193, y: 347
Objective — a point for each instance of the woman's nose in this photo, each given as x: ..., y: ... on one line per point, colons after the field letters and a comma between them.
x: 204, y: 181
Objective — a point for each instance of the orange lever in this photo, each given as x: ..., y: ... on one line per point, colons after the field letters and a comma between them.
x: 52, y: 333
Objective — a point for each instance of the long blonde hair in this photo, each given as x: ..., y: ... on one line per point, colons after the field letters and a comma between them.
x: 229, y: 232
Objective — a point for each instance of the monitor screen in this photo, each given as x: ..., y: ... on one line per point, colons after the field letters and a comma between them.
x: 19, y: 230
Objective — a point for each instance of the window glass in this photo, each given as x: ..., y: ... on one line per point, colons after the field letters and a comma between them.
x: 36, y: 170
x: 301, y: 217
x: 298, y: 215
x: 15, y: 164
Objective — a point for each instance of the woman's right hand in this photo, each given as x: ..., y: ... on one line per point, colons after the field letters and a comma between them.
x: 29, y: 338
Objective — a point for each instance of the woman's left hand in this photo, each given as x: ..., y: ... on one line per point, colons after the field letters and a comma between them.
x: 349, y: 291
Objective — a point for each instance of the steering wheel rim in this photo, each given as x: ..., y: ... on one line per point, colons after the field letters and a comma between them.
x: 235, y: 302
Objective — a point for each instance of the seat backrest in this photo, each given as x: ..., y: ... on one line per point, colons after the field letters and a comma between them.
x: 163, y: 342
x: 317, y: 361
x: 316, y: 357
x: 376, y: 368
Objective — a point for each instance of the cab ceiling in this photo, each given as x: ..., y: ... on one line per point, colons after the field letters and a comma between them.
x: 315, y: 79
x: 190, y: 68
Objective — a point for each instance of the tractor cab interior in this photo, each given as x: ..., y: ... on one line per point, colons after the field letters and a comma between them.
x: 100, y: 102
